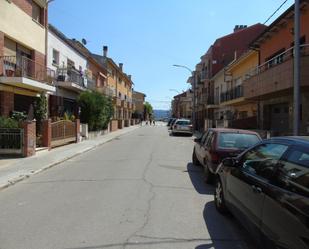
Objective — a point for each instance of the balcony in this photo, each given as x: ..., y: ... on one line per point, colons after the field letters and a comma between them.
x: 71, y: 79
x: 26, y: 73
x: 107, y: 91
x: 276, y: 75
x: 230, y: 96
x: 203, y: 75
x: 92, y: 83
x: 116, y: 101
x: 124, y: 104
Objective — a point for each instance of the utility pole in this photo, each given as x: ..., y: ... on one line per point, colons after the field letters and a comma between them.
x: 297, y: 96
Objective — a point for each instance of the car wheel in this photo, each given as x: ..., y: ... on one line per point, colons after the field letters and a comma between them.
x: 219, y: 198
x: 207, y: 173
x: 195, y: 161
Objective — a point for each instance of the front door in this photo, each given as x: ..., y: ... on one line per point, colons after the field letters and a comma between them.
x: 279, y: 117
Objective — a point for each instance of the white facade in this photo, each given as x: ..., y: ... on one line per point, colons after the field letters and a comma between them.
x: 65, y: 52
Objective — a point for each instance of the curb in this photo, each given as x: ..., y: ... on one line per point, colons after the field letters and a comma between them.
x: 20, y: 178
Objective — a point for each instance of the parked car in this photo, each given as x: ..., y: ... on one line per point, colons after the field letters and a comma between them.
x: 182, y: 126
x: 267, y: 189
x: 172, y: 123
x: 217, y: 144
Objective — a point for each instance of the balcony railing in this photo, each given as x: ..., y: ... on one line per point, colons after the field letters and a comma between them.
x: 203, y: 75
x: 279, y: 59
x: 234, y: 93
x: 276, y: 74
x: 70, y: 75
x: 108, y: 91
x: 92, y: 83
x: 15, y: 66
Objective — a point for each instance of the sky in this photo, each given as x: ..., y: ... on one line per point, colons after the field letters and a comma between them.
x: 149, y: 36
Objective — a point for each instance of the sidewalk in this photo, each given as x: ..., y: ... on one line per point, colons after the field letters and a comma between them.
x: 15, y: 170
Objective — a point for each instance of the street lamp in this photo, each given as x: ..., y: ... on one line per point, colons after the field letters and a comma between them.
x: 174, y: 90
x: 193, y: 86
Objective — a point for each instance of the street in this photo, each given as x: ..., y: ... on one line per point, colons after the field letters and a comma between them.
x: 137, y: 191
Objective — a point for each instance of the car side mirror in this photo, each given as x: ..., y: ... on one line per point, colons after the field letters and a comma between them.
x: 229, y: 162
x: 197, y: 140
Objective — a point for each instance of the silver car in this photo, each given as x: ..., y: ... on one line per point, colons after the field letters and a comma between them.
x: 183, y: 126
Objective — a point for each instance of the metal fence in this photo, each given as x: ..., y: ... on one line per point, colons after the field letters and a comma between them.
x: 11, y: 141
x: 19, y: 66
x: 63, y: 132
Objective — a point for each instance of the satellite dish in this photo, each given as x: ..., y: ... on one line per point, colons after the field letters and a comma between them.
x: 84, y: 41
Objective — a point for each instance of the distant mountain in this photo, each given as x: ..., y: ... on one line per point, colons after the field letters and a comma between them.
x: 161, y: 114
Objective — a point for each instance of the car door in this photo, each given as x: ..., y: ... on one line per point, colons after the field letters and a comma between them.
x: 247, y: 183
x: 198, y: 147
x: 285, y: 218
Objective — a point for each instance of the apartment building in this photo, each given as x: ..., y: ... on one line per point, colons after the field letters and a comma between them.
x: 234, y: 110
x: 71, y: 68
x: 23, y: 72
x: 138, y: 104
x: 219, y: 55
x: 271, y: 83
x: 122, y: 83
x: 182, y: 105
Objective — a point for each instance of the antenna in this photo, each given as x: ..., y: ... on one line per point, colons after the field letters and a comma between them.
x: 84, y: 41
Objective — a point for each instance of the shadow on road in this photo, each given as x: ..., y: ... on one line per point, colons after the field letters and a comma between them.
x: 224, y: 231
x: 197, y: 178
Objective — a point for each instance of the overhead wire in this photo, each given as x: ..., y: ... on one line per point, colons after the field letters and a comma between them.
x: 274, y: 13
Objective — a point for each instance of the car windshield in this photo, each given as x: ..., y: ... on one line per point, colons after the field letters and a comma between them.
x: 183, y: 122
x: 237, y: 140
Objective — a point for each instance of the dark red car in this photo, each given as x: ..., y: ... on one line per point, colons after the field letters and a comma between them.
x: 218, y: 143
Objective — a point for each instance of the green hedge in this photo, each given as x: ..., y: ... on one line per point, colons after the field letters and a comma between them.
x: 8, y: 123
x: 96, y: 110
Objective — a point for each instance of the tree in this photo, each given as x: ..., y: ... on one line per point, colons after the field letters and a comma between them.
x: 148, y: 110
x: 96, y: 110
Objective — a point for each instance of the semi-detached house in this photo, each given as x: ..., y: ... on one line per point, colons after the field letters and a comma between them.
x: 71, y: 68
x: 23, y: 72
x: 270, y: 84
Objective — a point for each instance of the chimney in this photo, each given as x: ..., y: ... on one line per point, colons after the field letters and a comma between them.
x: 130, y: 76
x: 239, y: 27
x: 105, y: 49
x: 121, y: 66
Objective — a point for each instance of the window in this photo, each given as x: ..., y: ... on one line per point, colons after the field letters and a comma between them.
x: 55, y: 57
x: 204, y: 137
x: 210, y: 139
x: 183, y: 122
x: 243, y: 114
x: 293, y: 174
x: 276, y: 58
x: 237, y: 140
x: 263, y: 159
x: 70, y: 64
x: 37, y: 12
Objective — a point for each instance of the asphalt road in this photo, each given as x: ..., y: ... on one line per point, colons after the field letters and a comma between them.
x: 137, y: 191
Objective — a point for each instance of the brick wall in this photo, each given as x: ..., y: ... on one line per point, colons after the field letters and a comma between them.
x: 113, y: 125
x: 1, y: 51
x: 29, y: 138
x: 6, y: 103
x: 26, y: 6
